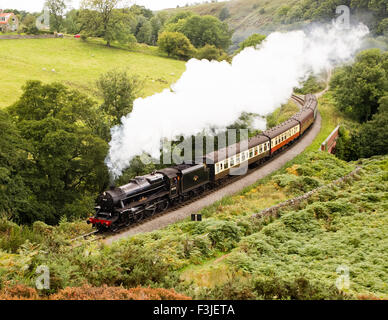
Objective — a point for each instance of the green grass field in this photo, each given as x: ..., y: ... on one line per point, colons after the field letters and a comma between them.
x: 78, y: 64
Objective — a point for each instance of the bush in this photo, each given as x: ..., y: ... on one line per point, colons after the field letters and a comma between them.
x: 211, y: 52
x: 296, y: 289
x: 311, y: 85
x: 176, y: 44
x: 225, y: 236
x: 12, y: 236
x: 18, y: 292
x: 87, y: 292
x: 295, y: 184
x: 236, y: 288
x: 252, y: 41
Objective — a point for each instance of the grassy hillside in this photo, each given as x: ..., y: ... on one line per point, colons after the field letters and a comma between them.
x: 78, y: 65
x: 246, y: 16
x: 339, y: 226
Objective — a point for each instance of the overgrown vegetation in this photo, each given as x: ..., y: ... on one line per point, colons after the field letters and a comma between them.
x: 313, y: 84
x: 294, y: 256
x: 87, y: 292
x: 252, y: 41
x: 281, y: 114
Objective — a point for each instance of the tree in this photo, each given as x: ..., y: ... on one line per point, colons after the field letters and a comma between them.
x: 143, y: 32
x: 357, y: 88
x: 252, y: 41
x: 57, y: 10
x: 72, y: 23
x: 374, y: 134
x: 366, y: 140
x: 29, y: 24
x: 202, y: 30
x: 183, y: 15
x: 176, y: 44
x: 65, y: 163
x: 141, y: 10
x: 156, y: 25
x: 16, y: 199
x: 210, y: 53
x: 224, y: 14
x: 105, y: 18
x: 119, y: 90
x: 383, y: 27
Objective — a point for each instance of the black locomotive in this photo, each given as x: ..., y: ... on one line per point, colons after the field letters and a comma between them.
x: 146, y: 195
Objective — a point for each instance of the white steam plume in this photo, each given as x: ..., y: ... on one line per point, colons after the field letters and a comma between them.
x: 214, y: 94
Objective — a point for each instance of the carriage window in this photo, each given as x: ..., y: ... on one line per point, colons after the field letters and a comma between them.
x: 221, y: 166
x: 251, y: 153
x: 261, y: 149
x: 217, y: 168
x: 243, y: 156
x: 226, y: 164
x: 237, y: 159
x: 256, y: 151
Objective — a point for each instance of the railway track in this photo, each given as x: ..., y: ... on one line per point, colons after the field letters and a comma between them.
x: 87, y: 236
x: 298, y: 100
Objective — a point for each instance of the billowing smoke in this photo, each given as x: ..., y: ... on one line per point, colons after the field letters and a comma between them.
x: 214, y: 94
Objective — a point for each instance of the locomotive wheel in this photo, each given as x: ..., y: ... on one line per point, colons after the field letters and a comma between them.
x: 138, y: 216
x: 163, y: 206
x: 114, y: 228
x: 150, y: 213
x: 127, y: 221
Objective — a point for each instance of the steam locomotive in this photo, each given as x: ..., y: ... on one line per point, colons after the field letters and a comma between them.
x: 147, y: 195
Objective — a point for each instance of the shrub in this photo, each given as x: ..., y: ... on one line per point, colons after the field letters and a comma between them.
x: 236, y: 288
x: 211, y: 52
x: 301, y: 222
x: 252, y: 41
x: 176, y: 44
x: 87, y: 292
x: 225, y: 236
x: 18, y: 292
x: 296, y: 289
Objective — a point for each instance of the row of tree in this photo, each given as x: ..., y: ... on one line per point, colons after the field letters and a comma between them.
x: 53, y: 143
x: 178, y: 45
x: 111, y: 21
x: 361, y: 93
x: 373, y: 12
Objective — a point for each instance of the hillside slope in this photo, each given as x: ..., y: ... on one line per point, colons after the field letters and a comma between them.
x: 77, y: 64
x: 245, y: 16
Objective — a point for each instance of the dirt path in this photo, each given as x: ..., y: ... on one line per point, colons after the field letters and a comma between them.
x: 186, y: 211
